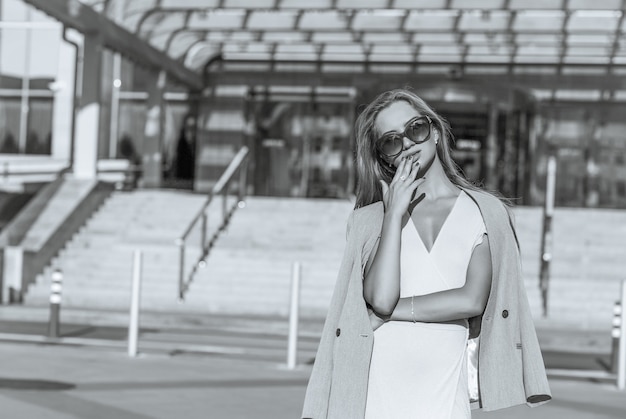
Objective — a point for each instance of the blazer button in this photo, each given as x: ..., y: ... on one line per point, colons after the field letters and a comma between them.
x: 505, y: 313
x: 338, y: 332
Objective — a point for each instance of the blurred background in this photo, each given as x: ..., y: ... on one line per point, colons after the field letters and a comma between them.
x: 216, y: 138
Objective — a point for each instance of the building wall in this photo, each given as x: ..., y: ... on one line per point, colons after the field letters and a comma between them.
x: 29, y: 59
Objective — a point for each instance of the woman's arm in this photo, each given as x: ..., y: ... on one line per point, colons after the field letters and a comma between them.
x: 459, y: 303
x: 381, y: 281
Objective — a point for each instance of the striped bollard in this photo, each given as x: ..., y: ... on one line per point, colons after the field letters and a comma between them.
x: 621, y: 357
x: 615, y: 336
x: 56, y: 287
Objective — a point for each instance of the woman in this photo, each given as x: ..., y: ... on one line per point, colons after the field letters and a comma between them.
x: 430, y: 261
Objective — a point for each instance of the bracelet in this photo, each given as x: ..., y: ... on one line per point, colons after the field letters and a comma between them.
x: 412, y: 310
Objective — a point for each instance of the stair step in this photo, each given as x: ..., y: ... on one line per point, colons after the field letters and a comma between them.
x: 249, y: 269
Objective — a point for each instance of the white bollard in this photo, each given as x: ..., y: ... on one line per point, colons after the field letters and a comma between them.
x: 615, y: 336
x: 133, y: 326
x: 56, y: 288
x: 621, y: 361
x: 292, y: 347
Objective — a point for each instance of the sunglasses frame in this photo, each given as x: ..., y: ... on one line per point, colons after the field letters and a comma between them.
x: 404, y: 135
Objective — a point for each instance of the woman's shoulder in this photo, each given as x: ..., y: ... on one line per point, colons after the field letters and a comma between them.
x: 365, y: 218
x: 496, y: 214
x: 486, y: 200
x: 373, y: 209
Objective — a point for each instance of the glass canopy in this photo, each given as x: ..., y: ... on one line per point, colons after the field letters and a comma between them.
x: 510, y: 35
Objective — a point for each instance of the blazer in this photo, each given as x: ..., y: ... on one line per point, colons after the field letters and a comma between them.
x: 510, y: 365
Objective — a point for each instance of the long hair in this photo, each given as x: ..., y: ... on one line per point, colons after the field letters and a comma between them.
x: 371, y: 168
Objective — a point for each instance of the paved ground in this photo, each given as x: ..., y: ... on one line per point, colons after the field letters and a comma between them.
x: 199, y: 367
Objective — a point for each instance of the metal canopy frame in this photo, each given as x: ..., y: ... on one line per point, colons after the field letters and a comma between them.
x: 87, y: 20
x: 553, y: 41
x: 465, y: 32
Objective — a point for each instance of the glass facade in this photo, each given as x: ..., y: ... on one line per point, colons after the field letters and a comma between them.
x: 567, y: 59
x: 29, y: 54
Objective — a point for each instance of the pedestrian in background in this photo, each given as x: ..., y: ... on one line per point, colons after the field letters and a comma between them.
x: 429, y: 312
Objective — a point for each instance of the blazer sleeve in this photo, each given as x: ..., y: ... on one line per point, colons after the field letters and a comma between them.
x: 318, y: 389
x: 536, y: 384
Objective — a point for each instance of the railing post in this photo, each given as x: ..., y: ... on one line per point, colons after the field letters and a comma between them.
x: 242, y: 182
x: 56, y: 287
x: 621, y: 364
x: 203, y: 233
x: 292, y: 346
x: 181, y: 268
x: 133, y: 326
x: 224, y: 203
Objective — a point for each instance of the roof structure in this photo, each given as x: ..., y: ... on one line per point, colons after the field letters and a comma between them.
x: 574, y: 44
x: 505, y: 33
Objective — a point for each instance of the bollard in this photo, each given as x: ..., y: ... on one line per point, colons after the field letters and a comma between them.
x: 133, y: 326
x: 56, y: 286
x: 546, y: 240
x: 292, y: 346
x: 615, y: 336
x: 621, y: 359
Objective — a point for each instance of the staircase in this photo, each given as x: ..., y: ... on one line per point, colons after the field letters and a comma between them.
x: 97, y: 261
x: 587, y: 267
x: 249, y: 270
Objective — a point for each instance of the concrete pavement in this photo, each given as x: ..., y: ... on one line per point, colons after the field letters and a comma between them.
x: 63, y: 382
x: 215, y: 367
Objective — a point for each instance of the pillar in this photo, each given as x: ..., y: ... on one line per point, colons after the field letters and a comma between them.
x: 152, y: 154
x: 88, y: 115
x: 491, y: 152
x: 63, y: 105
x: 591, y: 184
x: 107, y: 88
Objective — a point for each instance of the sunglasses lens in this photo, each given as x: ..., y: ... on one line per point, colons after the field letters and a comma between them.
x: 418, y: 131
x: 391, y: 145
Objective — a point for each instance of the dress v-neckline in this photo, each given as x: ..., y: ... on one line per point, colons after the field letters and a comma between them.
x: 443, y: 225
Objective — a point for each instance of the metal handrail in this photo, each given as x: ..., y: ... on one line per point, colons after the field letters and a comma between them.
x: 239, y: 163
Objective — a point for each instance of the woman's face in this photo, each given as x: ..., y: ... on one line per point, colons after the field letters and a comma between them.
x: 393, y: 119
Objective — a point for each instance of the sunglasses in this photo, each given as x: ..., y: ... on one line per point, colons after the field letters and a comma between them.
x: 417, y: 130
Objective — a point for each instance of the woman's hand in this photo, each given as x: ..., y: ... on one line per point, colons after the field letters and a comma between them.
x: 375, y: 319
x: 398, y: 195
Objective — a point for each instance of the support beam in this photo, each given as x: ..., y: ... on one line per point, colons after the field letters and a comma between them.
x: 229, y: 74
x: 88, y: 118
x: 83, y: 18
x: 152, y: 155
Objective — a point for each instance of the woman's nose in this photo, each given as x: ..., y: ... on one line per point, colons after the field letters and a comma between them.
x: 406, y: 142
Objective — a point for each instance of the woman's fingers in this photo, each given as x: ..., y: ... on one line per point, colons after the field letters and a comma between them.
x: 415, y: 169
x: 399, y: 171
x: 404, y: 169
x: 408, y: 166
x: 411, y: 170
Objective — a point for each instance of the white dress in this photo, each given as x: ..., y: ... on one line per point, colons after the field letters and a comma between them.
x: 419, y: 370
